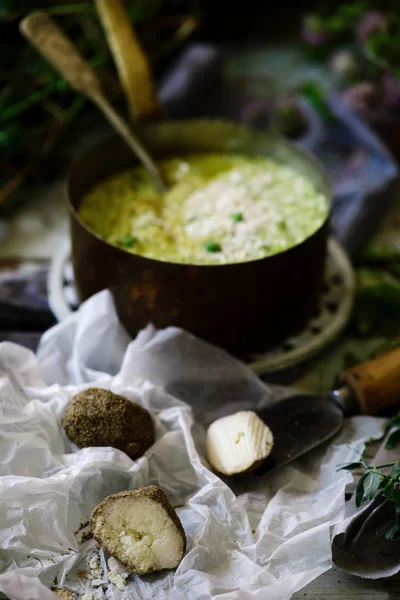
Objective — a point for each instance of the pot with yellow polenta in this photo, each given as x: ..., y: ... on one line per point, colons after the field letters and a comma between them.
x: 233, y: 252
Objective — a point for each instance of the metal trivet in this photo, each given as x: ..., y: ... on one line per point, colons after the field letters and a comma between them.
x: 335, y: 308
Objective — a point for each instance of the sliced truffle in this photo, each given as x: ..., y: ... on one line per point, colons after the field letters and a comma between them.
x: 140, y: 529
x: 238, y: 443
x: 97, y: 417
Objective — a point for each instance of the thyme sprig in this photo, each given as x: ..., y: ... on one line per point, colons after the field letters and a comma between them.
x: 374, y: 481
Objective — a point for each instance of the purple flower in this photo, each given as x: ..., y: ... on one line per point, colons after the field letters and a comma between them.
x: 313, y: 31
x: 372, y: 22
x: 343, y: 63
x: 362, y: 98
x: 391, y: 90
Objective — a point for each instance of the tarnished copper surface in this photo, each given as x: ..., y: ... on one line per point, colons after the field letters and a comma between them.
x: 245, y: 307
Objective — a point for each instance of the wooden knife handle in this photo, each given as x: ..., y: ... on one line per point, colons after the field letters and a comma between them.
x: 43, y: 33
x: 376, y: 383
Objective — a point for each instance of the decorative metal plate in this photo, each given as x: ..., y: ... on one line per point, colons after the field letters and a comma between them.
x: 335, y: 308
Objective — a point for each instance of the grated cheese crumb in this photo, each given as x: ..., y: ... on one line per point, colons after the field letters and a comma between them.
x: 94, y: 562
x: 98, y: 582
x: 117, y: 573
x: 118, y: 580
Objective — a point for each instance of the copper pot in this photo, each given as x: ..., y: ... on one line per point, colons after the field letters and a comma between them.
x: 246, y: 307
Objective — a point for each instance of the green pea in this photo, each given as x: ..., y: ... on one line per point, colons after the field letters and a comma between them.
x: 212, y: 247
x: 128, y: 241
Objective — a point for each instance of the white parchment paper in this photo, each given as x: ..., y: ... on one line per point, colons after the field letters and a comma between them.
x: 260, y: 538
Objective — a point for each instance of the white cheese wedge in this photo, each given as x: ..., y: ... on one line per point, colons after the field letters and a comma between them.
x: 238, y: 443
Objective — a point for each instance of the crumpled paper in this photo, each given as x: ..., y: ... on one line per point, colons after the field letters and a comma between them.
x: 260, y: 538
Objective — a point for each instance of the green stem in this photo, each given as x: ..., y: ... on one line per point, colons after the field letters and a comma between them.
x: 71, y: 9
x: 383, y: 466
x: 98, y: 61
x: 27, y: 102
x: 75, y: 107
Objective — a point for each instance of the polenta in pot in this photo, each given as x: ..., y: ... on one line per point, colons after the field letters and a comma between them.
x: 219, y: 209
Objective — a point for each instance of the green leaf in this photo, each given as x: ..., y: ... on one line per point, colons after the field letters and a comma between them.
x: 311, y: 92
x: 371, y: 485
x: 396, y: 72
x: 393, y: 421
x: 377, y: 47
x: 393, y: 439
x: 370, y: 441
x: 212, y: 247
x: 388, y: 487
x: 395, y: 494
x: 397, y: 508
x: 336, y: 24
x: 353, y: 10
x: 392, y: 532
x: 395, y: 472
x: 350, y: 466
x: 360, y: 497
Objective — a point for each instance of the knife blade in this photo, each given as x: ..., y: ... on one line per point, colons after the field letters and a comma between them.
x: 303, y: 422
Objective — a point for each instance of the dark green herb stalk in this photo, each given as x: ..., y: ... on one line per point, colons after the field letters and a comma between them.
x: 373, y: 481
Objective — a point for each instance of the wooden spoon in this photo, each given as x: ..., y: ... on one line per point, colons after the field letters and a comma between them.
x: 131, y: 61
x: 45, y: 35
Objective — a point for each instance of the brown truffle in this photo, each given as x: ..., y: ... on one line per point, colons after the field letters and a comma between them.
x: 140, y: 529
x: 97, y: 417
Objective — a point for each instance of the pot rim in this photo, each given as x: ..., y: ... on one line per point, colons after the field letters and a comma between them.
x: 278, y: 138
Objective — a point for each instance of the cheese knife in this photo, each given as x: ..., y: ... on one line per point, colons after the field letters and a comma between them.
x: 303, y: 422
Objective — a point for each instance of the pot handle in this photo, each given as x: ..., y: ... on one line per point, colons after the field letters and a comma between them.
x: 130, y: 59
x: 376, y: 383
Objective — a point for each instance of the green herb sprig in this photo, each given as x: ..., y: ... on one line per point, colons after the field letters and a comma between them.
x: 394, y: 437
x: 373, y: 481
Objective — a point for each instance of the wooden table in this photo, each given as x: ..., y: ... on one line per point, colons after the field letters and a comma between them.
x: 337, y: 585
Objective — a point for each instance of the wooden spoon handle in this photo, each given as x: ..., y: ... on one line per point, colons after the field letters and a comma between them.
x: 376, y: 382
x: 43, y: 33
x: 130, y: 59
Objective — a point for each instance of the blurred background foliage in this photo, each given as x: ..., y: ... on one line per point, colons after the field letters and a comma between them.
x: 37, y: 109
